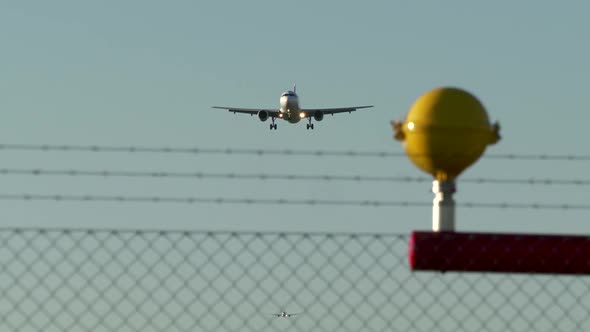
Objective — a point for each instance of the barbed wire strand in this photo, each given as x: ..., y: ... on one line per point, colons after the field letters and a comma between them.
x: 264, y: 177
x: 262, y: 152
x: 276, y: 201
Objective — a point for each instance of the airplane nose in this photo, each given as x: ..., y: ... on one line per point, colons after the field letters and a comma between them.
x: 292, y: 102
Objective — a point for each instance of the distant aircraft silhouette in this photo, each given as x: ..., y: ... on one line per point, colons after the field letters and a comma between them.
x: 284, y: 314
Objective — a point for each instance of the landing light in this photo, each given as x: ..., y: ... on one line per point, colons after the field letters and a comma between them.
x: 302, y: 115
x: 280, y: 115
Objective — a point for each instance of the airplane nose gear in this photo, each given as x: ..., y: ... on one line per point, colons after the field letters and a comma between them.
x: 273, y: 125
x: 310, y: 125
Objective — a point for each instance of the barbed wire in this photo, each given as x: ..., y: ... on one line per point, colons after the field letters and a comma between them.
x: 264, y: 176
x: 263, y: 152
x: 277, y: 201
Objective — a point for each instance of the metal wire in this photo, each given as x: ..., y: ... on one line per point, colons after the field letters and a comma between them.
x: 263, y: 152
x: 264, y: 176
x: 93, y: 280
x: 277, y: 201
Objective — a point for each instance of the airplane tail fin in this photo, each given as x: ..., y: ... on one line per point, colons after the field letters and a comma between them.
x: 295, y: 88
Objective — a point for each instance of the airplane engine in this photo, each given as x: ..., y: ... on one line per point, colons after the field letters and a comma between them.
x: 263, y: 115
x: 318, y: 116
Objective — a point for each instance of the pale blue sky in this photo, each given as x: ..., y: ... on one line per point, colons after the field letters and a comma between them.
x: 146, y: 73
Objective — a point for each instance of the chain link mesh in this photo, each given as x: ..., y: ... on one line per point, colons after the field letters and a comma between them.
x: 91, y: 280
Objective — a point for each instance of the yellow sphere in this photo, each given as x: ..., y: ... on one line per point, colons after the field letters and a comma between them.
x: 445, y: 131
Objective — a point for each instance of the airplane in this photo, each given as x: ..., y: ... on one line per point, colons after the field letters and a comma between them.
x: 291, y: 111
x: 284, y: 314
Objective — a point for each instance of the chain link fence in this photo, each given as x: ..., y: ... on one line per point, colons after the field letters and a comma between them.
x: 93, y: 280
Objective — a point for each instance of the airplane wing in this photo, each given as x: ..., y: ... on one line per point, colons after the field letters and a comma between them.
x: 312, y: 111
x: 252, y: 111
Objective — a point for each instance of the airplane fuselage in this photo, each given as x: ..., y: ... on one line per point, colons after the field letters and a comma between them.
x: 289, y: 107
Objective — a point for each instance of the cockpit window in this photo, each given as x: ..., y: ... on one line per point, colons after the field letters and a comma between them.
x: 290, y: 94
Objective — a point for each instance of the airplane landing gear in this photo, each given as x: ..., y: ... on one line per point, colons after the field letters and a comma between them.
x: 310, y: 125
x: 273, y: 125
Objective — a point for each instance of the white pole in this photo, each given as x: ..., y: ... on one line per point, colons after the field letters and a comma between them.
x: 443, y: 206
